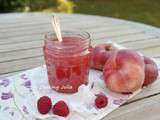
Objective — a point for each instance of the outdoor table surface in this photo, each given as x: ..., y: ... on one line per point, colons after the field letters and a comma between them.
x: 22, y: 39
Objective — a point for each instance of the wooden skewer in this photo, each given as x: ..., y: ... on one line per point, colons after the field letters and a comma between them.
x: 56, y: 27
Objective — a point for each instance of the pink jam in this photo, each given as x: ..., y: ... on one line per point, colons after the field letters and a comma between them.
x: 67, y: 62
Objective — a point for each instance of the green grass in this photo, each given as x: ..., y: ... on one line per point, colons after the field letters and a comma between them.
x: 145, y: 11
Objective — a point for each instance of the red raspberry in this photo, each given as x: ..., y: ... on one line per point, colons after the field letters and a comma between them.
x: 61, y: 109
x: 101, y: 101
x: 44, y: 104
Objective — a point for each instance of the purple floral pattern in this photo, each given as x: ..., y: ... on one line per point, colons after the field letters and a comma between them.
x: 24, y: 77
x: 27, y: 82
x: 119, y: 101
x: 11, y: 113
x: 24, y: 108
x: 4, y: 82
x: 6, y: 95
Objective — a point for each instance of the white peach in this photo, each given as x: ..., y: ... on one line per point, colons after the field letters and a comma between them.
x: 124, y: 71
x: 100, y: 54
x: 151, y: 71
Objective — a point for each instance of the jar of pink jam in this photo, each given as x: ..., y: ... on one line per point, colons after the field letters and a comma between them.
x: 67, y: 62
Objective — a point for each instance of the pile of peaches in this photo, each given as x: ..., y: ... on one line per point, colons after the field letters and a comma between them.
x: 124, y: 70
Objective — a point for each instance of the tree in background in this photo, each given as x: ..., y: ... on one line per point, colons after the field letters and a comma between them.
x: 61, y: 6
x: 36, y: 5
x: 10, y: 5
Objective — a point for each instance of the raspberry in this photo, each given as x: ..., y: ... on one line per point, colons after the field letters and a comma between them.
x: 101, y: 101
x: 61, y: 109
x: 44, y: 104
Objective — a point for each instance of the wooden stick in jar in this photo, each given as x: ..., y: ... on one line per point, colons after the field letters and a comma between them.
x: 56, y: 27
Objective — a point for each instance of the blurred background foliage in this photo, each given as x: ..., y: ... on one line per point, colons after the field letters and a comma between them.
x: 146, y: 11
x: 36, y: 5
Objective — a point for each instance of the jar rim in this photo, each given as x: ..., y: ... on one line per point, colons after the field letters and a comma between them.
x: 52, y: 43
x: 88, y: 36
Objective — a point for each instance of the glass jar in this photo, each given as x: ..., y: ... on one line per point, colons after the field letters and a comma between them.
x: 67, y: 62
